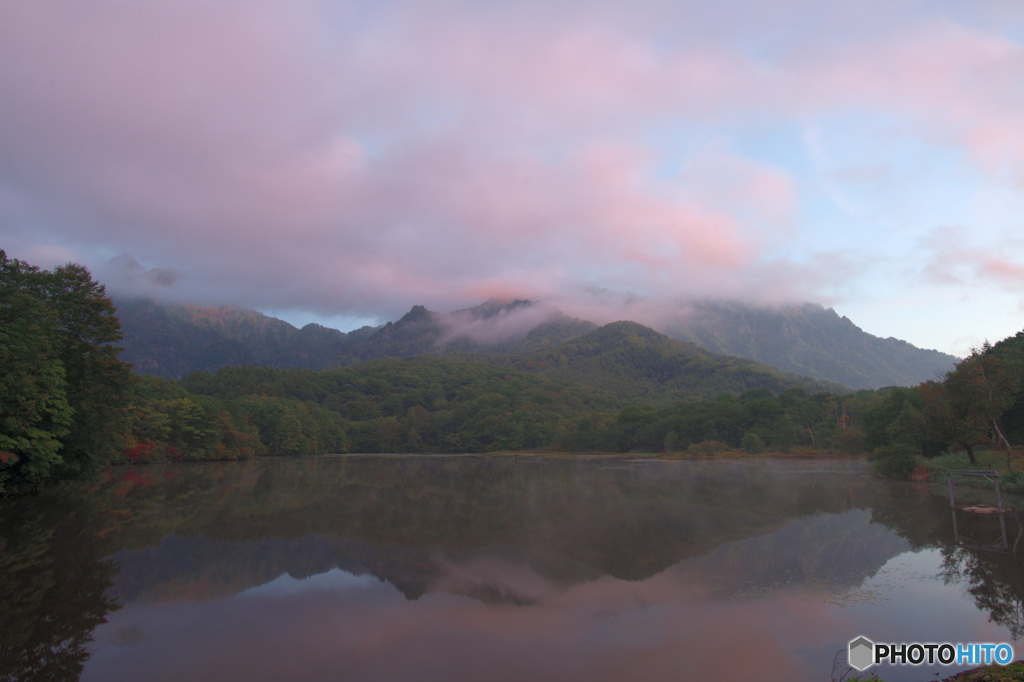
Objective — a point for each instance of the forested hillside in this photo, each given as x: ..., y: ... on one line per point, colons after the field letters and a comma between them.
x: 431, y: 404
x: 624, y: 357
x: 171, y: 341
x: 619, y: 388
x: 634, y: 361
x: 70, y: 405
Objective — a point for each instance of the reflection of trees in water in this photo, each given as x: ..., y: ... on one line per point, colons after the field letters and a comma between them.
x: 626, y: 519
x: 53, y: 588
x: 995, y: 579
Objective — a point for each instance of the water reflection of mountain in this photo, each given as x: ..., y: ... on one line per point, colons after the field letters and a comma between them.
x: 500, y: 530
x: 833, y: 550
x: 408, y: 520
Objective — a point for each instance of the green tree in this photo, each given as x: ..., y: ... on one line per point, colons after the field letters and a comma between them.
x: 192, y: 429
x: 783, y: 433
x: 287, y: 437
x: 896, y: 460
x: 64, y: 389
x: 991, y: 388
x: 752, y: 443
x: 966, y: 407
x: 34, y: 411
x: 951, y: 418
x: 896, y: 414
x: 97, y: 381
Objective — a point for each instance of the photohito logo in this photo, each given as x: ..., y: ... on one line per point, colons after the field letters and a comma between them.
x: 864, y: 653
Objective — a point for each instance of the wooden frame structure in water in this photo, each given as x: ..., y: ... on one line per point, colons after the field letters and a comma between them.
x: 1000, y: 545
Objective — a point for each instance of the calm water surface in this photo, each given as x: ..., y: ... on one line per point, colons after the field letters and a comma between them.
x: 497, y: 568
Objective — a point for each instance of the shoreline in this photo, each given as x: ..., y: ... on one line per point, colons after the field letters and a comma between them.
x: 990, y: 673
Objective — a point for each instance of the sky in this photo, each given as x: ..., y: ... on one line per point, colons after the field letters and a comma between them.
x: 340, y: 162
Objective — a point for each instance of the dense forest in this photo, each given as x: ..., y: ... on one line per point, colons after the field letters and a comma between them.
x: 68, y: 404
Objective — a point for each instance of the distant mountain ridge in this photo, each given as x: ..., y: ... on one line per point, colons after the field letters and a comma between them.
x: 803, y: 341
x: 173, y: 340
x: 809, y: 340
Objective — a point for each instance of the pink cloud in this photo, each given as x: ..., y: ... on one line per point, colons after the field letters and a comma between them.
x: 607, y: 629
x: 954, y: 259
x: 1005, y: 271
x: 345, y: 158
x: 954, y: 83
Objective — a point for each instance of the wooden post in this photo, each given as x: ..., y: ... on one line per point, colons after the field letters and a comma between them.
x: 1002, y: 521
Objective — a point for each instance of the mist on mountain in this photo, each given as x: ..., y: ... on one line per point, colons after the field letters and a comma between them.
x: 807, y: 340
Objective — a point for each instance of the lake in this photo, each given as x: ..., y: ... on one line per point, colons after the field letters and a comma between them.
x: 493, y: 567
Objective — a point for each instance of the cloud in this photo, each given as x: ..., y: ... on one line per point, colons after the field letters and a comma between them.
x: 348, y: 158
x: 955, y: 259
x: 509, y: 323
x: 955, y: 84
x: 124, y: 273
x: 1008, y: 272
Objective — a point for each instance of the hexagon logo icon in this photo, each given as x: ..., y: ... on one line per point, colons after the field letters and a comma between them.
x: 862, y: 653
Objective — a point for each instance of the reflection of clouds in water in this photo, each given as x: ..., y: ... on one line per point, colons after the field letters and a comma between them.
x: 339, y: 625
x: 672, y: 626
x: 493, y: 580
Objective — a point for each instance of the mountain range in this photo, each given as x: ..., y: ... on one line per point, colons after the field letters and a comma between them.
x: 809, y: 340
x: 806, y: 340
